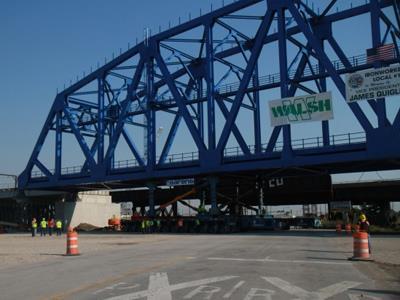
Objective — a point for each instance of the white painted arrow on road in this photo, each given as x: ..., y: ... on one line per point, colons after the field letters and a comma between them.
x: 160, y: 289
x: 321, y: 294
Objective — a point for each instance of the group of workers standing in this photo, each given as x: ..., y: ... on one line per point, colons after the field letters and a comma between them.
x: 150, y: 226
x: 45, y: 227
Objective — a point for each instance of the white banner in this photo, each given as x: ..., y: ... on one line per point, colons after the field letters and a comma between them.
x: 317, y: 107
x: 373, y: 84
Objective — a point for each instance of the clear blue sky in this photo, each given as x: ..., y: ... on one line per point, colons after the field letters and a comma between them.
x: 47, y: 43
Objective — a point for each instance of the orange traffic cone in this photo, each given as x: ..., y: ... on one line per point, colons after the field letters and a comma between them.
x: 72, y: 242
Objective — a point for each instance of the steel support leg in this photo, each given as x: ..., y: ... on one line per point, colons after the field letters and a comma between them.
x: 152, y: 188
x: 175, y: 209
x: 261, y: 199
x: 213, y: 195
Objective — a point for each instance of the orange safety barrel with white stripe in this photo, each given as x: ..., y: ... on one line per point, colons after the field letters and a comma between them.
x: 339, y: 228
x: 72, y: 242
x: 348, y: 228
x: 360, y: 245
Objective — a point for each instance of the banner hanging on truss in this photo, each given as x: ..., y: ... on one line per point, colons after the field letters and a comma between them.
x: 317, y: 107
x: 373, y: 84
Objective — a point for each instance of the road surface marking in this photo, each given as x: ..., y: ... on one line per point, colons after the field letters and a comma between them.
x: 257, y: 293
x: 114, y: 279
x: 158, y: 287
x: 230, y: 293
x: 207, y: 290
x: 174, y: 287
x: 288, y: 287
x: 116, y: 286
x: 294, y: 261
x: 363, y: 297
x: 321, y: 294
x: 130, y: 287
x: 108, y: 288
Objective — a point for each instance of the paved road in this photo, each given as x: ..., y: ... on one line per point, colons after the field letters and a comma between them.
x: 249, y: 266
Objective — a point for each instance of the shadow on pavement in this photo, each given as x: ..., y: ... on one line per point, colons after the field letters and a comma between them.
x: 305, y: 233
x: 327, y: 258
x: 385, y: 292
x: 325, y: 251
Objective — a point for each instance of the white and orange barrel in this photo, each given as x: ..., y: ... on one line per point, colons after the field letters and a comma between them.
x: 72, y: 242
x: 348, y: 228
x: 338, y: 228
x: 360, y: 246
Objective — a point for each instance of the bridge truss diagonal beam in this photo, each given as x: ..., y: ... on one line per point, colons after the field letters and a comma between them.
x: 199, y: 87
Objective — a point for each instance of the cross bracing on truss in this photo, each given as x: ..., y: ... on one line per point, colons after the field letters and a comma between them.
x: 210, y: 76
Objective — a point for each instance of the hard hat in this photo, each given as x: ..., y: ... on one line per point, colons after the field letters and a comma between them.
x: 363, y: 217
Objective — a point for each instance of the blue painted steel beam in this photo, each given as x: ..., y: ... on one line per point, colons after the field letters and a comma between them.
x: 133, y: 147
x: 209, y: 44
x: 121, y: 121
x: 58, y: 145
x: 255, y: 52
x: 284, y: 80
x: 359, y: 114
x: 81, y: 141
x: 235, y: 129
x: 181, y: 104
x: 88, y: 119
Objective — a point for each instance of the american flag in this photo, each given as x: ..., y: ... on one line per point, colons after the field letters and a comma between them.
x: 385, y: 52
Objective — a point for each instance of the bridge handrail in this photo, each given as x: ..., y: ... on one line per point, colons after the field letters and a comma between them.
x: 306, y: 143
x: 298, y: 144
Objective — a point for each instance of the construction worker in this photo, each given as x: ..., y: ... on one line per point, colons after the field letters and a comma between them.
x: 364, y: 227
x: 158, y: 221
x: 143, y: 226
x: 51, y: 226
x: 148, y: 226
x: 202, y: 209
x: 58, y: 227
x: 34, y: 227
x: 197, y: 222
x: 43, y: 227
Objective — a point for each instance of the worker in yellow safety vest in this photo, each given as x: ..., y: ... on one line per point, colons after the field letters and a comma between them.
x: 158, y: 222
x: 43, y: 226
x: 34, y: 227
x: 58, y: 227
x: 202, y: 209
x: 143, y: 226
x: 148, y: 226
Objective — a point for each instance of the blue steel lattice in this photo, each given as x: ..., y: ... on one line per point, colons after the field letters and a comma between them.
x: 132, y: 88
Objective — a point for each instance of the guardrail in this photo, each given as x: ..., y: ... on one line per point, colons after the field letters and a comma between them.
x: 302, y: 144
x: 230, y: 152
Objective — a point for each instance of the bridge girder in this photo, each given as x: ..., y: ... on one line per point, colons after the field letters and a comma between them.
x: 133, y: 88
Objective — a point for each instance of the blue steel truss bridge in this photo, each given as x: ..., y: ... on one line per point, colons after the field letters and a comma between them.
x: 206, y: 84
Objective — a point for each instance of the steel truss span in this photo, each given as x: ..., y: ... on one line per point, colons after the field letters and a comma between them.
x: 202, y: 75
